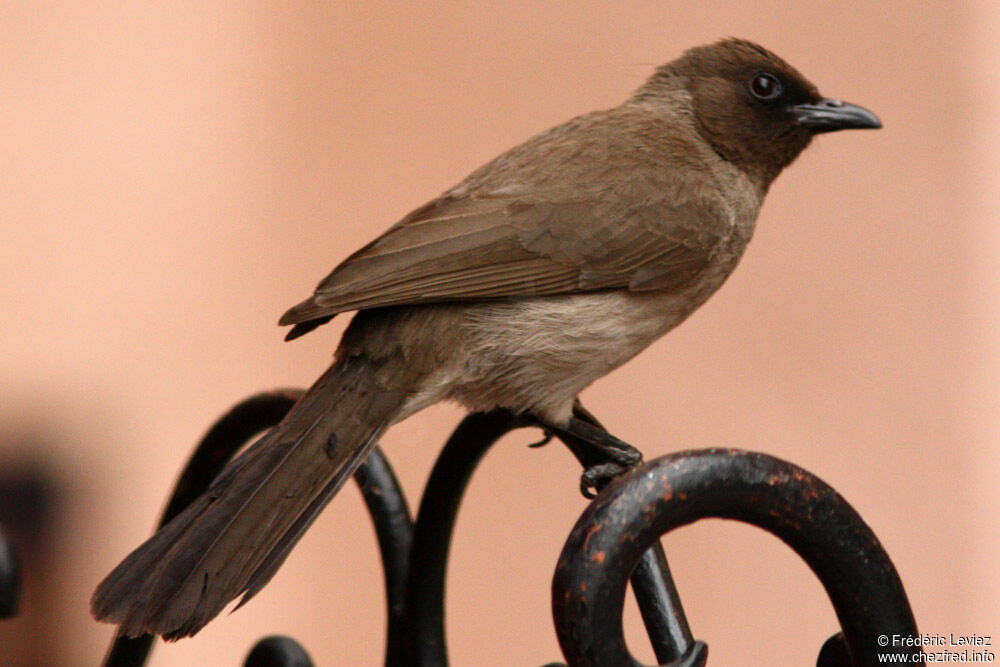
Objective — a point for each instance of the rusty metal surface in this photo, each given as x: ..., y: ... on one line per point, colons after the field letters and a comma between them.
x: 675, y: 490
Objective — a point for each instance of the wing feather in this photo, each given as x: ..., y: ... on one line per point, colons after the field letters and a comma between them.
x: 499, y: 235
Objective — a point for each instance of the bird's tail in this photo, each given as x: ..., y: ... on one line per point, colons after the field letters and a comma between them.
x: 232, y: 539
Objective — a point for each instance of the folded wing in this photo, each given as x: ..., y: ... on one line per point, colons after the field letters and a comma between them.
x: 472, y: 248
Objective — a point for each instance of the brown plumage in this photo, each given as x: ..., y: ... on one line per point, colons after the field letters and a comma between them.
x: 542, y: 271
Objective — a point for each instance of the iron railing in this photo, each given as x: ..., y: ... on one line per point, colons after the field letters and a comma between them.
x: 615, y: 542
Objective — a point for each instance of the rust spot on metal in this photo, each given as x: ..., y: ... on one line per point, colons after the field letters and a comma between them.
x: 729, y: 483
x: 590, y: 533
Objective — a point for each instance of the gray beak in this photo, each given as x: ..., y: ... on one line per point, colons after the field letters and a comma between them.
x: 831, y: 115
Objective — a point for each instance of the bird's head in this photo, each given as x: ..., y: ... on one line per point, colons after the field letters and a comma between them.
x: 752, y: 107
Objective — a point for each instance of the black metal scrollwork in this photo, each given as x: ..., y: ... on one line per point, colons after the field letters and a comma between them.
x: 675, y: 490
x: 623, y: 524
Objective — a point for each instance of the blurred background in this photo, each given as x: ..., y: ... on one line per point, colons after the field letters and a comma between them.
x: 174, y: 176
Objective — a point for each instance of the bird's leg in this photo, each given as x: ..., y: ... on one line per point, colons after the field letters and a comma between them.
x: 602, y: 455
x: 586, y: 415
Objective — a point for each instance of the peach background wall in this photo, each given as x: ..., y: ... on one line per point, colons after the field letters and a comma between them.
x: 174, y: 177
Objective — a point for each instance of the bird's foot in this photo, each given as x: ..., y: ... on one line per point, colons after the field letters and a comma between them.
x: 621, y: 457
x: 603, y: 456
x: 596, y: 477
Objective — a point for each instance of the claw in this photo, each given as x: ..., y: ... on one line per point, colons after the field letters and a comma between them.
x: 544, y: 441
x: 596, y: 477
x: 603, y: 455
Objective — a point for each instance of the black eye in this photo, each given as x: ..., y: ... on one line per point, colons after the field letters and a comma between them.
x: 765, y: 87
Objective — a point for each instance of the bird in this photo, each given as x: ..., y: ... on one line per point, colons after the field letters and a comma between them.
x: 542, y: 271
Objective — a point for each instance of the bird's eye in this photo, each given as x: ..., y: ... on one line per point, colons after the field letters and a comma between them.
x: 765, y: 87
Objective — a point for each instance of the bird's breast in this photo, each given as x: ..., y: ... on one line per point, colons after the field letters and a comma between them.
x: 538, y: 354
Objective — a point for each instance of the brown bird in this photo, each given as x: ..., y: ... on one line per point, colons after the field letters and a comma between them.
x: 542, y: 271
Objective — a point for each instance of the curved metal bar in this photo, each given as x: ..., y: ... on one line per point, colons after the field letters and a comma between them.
x: 660, y: 607
x: 433, y: 529
x: 382, y: 493
x: 834, y: 652
x: 278, y: 651
x: 658, y: 600
x: 799, y: 508
x: 655, y: 592
x: 10, y: 578
x: 245, y: 420
x: 394, y: 529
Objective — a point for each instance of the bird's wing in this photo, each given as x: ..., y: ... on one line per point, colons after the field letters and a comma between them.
x: 503, y: 245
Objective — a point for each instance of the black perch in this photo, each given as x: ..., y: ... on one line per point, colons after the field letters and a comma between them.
x: 631, y: 515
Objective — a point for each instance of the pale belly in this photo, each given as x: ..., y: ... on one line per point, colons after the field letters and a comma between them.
x: 529, y: 355
x: 537, y: 355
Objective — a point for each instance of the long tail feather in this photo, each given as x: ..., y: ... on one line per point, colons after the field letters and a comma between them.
x: 233, y: 539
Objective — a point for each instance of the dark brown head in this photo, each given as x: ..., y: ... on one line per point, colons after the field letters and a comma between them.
x: 751, y: 106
